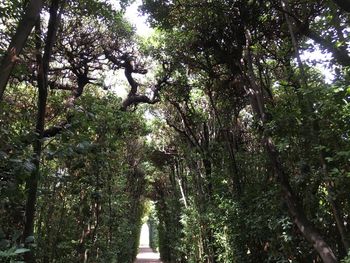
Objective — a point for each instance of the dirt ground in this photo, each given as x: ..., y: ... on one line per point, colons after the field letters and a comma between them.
x: 146, y: 255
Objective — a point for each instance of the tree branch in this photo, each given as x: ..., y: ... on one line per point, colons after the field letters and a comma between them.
x: 55, y: 130
x: 18, y: 41
x: 181, y: 132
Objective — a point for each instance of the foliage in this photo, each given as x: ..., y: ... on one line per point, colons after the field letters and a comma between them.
x: 243, y: 155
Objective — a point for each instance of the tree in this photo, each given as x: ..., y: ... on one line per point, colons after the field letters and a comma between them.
x: 217, y: 43
x: 18, y: 41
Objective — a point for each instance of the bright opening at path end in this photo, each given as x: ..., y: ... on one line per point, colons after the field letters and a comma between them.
x: 144, y: 237
x: 146, y: 255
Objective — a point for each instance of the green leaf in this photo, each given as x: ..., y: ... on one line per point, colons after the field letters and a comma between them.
x: 21, y: 250
x: 4, y: 243
x: 16, y: 235
x: 29, y: 166
x: 83, y: 147
x: 29, y: 239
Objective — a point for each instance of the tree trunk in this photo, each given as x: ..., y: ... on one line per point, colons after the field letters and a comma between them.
x: 43, y: 69
x: 305, y: 226
x: 339, y: 219
x: 340, y: 53
x: 18, y: 41
x: 314, y: 128
x: 32, y: 182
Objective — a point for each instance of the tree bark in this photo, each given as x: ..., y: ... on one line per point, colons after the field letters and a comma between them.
x: 43, y: 68
x: 315, y: 127
x: 339, y: 219
x: 18, y: 41
x: 295, y: 210
x: 303, y: 223
x: 32, y: 182
x: 235, y: 180
x: 340, y: 53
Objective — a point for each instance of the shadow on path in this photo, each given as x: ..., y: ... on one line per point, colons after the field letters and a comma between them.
x: 146, y: 255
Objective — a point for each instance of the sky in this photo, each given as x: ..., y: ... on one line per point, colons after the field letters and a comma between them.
x: 117, y: 80
x: 139, y: 21
x: 322, y: 65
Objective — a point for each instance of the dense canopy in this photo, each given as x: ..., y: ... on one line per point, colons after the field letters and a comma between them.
x: 232, y: 143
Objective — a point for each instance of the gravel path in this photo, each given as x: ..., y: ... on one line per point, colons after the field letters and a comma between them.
x: 146, y: 255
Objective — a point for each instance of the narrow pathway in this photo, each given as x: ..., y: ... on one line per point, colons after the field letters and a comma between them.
x: 146, y: 255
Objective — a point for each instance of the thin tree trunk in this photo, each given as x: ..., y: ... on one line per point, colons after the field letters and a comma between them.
x: 339, y: 219
x: 305, y: 226
x: 58, y: 231
x: 43, y: 69
x: 340, y: 53
x: 110, y: 219
x: 96, y: 210
x: 236, y: 182
x: 32, y: 182
x: 179, y: 181
x: 18, y: 41
x: 48, y: 219
x: 315, y: 128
